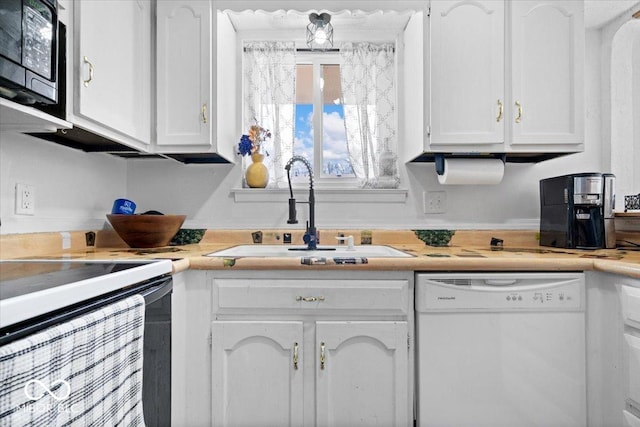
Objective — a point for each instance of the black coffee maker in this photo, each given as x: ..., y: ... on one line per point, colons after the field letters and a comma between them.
x: 576, y: 211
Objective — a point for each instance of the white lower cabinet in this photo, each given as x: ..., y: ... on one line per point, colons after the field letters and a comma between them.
x: 257, y: 375
x: 630, y: 307
x: 293, y: 349
x: 631, y: 363
x: 613, y: 350
x: 362, y: 374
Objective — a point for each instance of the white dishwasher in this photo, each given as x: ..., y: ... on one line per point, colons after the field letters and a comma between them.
x: 501, y: 349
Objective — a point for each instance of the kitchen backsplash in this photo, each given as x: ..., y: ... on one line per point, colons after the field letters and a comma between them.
x: 75, y: 190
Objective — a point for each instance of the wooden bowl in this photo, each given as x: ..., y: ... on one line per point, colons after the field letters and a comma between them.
x: 146, y: 231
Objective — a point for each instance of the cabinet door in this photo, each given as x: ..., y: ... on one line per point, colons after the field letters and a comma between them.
x: 114, y: 58
x: 631, y: 360
x: 630, y: 301
x: 467, y: 80
x: 362, y: 374
x: 547, y: 105
x: 184, y: 73
x: 257, y: 373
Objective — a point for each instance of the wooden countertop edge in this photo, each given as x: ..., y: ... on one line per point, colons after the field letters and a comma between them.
x: 617, y: 267
x: 408, y: 264
x: 180, y: 265
x: 461, y: 257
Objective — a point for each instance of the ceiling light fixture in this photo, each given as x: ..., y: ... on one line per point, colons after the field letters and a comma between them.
x: 320, y: 31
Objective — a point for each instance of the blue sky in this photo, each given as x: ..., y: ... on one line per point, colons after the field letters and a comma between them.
x: 334, y: 147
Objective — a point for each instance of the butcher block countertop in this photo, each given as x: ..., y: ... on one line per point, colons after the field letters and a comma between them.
x: 469, y: 250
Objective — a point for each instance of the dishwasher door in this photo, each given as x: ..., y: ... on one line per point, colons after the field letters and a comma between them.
x: 501, y: 349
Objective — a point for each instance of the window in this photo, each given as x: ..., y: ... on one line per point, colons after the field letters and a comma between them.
x: 321, y: 138
x: 335, y: 109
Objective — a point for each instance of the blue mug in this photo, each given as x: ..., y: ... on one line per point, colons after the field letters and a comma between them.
x: 123, y: 207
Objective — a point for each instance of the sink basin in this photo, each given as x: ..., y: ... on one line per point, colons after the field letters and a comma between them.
x: 285, y: 251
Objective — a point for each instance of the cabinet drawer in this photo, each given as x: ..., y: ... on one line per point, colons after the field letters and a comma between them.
x: 630, y: 297
x: 631, y: 358
x: 381, y: 296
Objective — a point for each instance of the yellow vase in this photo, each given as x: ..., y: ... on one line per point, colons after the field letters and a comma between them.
x: 257, y: 174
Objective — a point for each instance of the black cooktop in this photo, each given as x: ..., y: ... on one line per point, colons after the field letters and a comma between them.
x: 20, y: 277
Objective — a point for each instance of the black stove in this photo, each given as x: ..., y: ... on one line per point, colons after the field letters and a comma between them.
x: 37, y: 294
x: 34, y: 288
x: 22, y: 277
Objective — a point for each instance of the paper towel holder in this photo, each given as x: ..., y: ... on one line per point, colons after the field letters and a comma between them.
x: 439, y: 159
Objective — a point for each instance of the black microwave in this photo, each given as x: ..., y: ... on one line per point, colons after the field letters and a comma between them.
x: 29, y: 51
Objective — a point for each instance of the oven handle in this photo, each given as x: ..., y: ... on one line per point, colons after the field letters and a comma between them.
x: 158, y: 291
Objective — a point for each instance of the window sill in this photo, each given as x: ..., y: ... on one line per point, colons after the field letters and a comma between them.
x: 269, y: 195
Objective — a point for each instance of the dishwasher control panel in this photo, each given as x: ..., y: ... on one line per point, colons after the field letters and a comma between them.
x: 482, y: 291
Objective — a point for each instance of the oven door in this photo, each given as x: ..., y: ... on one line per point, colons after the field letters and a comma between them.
x: 156, y: 383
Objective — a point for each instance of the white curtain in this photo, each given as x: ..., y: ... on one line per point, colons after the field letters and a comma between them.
x: 269, y: 100
x: 368, y: 87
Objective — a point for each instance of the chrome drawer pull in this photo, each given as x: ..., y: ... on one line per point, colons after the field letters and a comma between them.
x: 295, y: 356
x: 322, y: 357
x: 309, y: 299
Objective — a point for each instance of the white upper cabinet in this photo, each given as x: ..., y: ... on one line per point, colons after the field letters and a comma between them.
x: 111, y: 68
x: 467, y: 72
x: 547, y: 103
x: 499, y: 77
x: 196, y: 99
x: 184, y: 73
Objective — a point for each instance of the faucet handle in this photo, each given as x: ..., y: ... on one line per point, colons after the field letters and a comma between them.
x: 292, y: 212
x: 349, y: 240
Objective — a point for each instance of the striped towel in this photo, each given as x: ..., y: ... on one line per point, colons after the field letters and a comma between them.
x: 85, y: 372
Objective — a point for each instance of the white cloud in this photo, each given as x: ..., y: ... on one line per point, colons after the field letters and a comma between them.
x: 302, y: 144
x: 334, y: 145
x: 335, y: 141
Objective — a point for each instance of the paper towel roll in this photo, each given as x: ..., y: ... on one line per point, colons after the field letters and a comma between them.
x: 472, y: 172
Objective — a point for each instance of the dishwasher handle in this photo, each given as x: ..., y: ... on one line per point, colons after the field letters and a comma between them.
x: 500, y: 282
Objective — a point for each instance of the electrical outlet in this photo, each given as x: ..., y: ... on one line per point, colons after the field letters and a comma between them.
x: 435, y: 202
x: 25, y: 199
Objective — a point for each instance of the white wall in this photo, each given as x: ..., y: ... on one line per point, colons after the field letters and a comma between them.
x: 204, y: 193
x: 635, y: 185
x: 625, y: 106
x: 75, y: 189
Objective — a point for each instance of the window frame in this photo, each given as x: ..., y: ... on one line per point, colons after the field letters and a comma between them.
x: 317, y: 59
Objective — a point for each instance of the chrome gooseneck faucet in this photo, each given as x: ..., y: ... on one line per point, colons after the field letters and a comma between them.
x: 311, y: 235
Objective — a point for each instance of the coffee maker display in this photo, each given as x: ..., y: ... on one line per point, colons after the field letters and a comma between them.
x: 576, y: 211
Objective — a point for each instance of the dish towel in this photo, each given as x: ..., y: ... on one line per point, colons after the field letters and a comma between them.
x: 85, y: 372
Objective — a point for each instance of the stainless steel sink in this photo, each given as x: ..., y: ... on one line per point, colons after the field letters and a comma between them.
x: 284, y: 251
